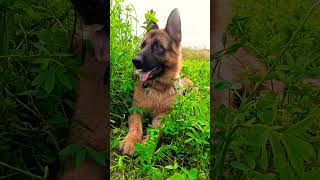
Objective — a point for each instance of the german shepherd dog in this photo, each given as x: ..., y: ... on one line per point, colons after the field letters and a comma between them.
x: 158, y: 65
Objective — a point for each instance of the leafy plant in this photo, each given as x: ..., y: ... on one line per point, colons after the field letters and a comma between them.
x: 38, y: 78
x: 269, y: 135
x: 150, y: 17
x: 79, y: 153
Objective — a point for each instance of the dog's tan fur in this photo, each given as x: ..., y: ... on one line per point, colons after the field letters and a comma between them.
x: 159, y: 95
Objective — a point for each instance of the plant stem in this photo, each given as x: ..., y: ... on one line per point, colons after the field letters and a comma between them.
x: 25, y: 106
x: 21, y: 171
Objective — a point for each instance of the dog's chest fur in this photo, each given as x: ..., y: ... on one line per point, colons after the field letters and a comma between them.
x: 155, y: 97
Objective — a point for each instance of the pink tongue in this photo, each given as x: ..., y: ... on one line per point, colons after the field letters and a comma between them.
x: 144, y: 75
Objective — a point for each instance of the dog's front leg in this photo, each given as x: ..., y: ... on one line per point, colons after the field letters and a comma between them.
x: 156, y: 122
x: 134, y: 134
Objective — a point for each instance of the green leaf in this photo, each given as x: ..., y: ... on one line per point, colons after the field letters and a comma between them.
x: 190, y: 134
x: 185, y: 170
x: 120, y: 161
x: 298, y: 151
x: 80, y: 156
x: 49, y: 81
x: 303, y: 125
x: 193, y: 174
x: 267, y: 107
x: 135, y: 110
x: 65, y: 80
x: 277, y: 150
x: 188, y: 140
x: 58, y: 121
x: 220, y: 85
x: 39, y: 79
x: 294, y: 154
x: 279, y: 159
x: 258, y: 135
x: 266, y: 116
x: 177, y: 176
x: 175, y: 165
x: 114, y: 143
x: 248, y: 156
x: 41, y: 60
x: 267, y: 100
x: 70, y: 149
x: 99, y: 157
x: 154, y: 176
x: 236, y: 86
x: 76, y: 151
x: 289, y: 58
x: 164, y: 148
x: 169, y: 167
x: 204, y: 142
x: 239, y: 165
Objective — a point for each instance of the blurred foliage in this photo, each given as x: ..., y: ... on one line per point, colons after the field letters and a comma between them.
x: 38, y: 76
x: 272, y: 136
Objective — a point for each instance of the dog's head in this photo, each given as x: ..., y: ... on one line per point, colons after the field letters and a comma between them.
x: 160, y: 49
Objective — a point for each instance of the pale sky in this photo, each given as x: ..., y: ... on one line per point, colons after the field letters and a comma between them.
x: 195, y: 18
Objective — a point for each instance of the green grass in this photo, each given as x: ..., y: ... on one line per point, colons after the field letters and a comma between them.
x: 185, y: 142
x: 270, y: 136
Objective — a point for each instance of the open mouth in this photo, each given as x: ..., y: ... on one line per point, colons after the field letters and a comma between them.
x: 148, y: 74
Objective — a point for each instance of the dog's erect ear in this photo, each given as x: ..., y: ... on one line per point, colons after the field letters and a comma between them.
x: 153, y: 25
x: 173, y: 26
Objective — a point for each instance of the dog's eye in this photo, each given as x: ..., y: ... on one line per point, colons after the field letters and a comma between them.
x: 156, y: 46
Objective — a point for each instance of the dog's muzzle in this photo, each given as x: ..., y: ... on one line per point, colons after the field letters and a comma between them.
x: 137, y: 61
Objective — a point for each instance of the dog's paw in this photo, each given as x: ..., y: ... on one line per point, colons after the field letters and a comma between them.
x: 127, y: 144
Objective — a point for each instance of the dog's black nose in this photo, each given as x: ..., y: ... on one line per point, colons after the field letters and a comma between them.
x: 137, y: 61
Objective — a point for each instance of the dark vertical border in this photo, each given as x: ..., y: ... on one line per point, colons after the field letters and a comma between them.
x: 212, y: 18
x: 107, y: 85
